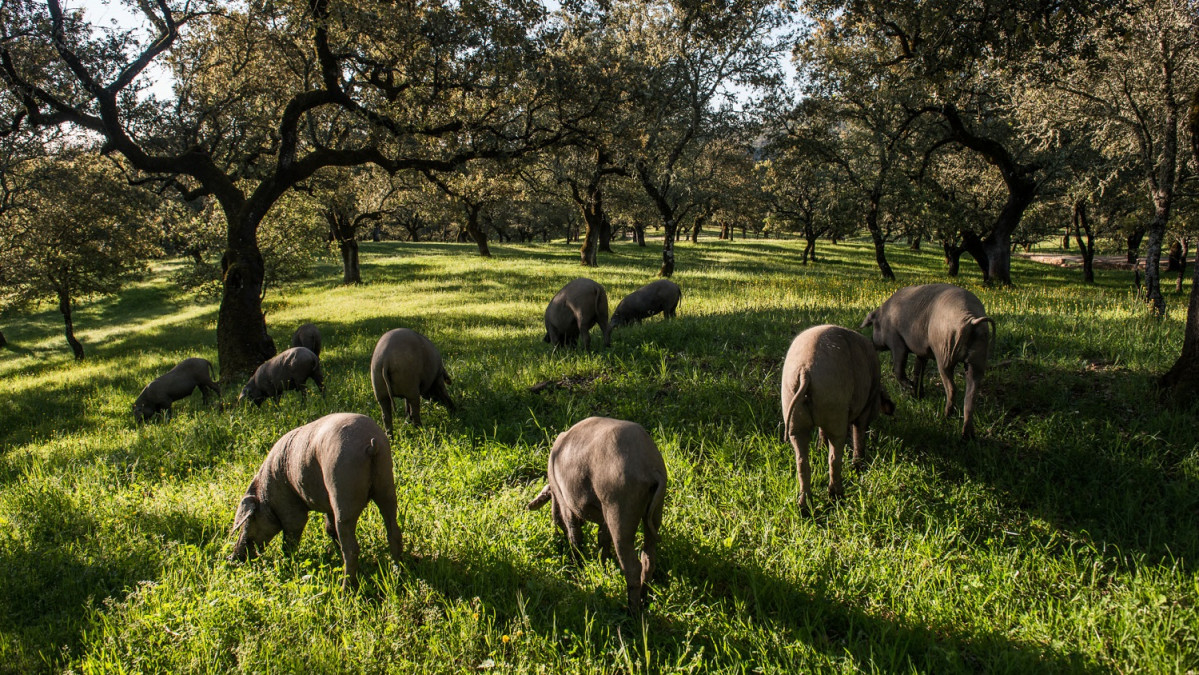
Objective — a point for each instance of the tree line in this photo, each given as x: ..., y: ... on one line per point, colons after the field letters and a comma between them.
x: 242, y: 134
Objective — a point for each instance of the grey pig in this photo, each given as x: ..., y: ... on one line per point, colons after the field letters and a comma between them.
x: 941, y: 321
x: 175, y: 384
x: 334, y: 465
x: 609, y: 472
x: 662, y: 296
x: 308, y: 336
x: 831, y: 381
x: 406, y: 365
x: 289, y: 369
x: 572, y: 312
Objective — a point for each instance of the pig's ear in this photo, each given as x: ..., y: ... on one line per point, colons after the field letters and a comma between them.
x: 869, y: 320
x: 248, y: 507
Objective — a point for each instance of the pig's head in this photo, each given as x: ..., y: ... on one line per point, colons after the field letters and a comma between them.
x: 618, y: 320
x: 251, y: 393
x: 885, y: 405
x: 255, y: 524
x: 141, y: 412
x: 878, y: 337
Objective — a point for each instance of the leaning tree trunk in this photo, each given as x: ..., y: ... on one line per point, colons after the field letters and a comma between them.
x: 242, y: 341
x: 1081, y: 225
x: 1182, y: 380
x: 876, y: 235
x: 593, y: 221
x: 64, y: 306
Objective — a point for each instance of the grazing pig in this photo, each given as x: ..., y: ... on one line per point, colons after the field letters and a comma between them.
x: 609, y: 472
x: 289, y: 369
x: 941, y: 321
x: 177, y: 383
x: 308, y: 336
x: 580, y: 304
x: 334, y: 465
x: 406, y: 365
x: 657, y: 296
x: 831, y: 381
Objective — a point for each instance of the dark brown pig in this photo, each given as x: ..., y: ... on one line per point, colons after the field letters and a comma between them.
x: 175, y: 384
x: 939, y: 321
x: 609, y: 472
x: 334, y: 465
x: 661, y: 296
x: 406, y: 365
x: 580, y: 304
x: 831, y: 382
x: 307, y: 335
x: 290, y: 369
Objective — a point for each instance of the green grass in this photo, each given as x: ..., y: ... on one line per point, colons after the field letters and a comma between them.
x: 1064, y: 539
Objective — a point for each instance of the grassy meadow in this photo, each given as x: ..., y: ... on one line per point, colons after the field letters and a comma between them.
x: 1066, y: 538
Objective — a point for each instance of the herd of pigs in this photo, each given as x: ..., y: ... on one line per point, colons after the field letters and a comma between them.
x: 601, y: 470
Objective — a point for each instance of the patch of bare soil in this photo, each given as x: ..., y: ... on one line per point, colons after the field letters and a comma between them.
x: 1101, y: 262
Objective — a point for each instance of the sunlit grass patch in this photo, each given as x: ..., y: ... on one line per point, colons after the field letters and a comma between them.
x: 1062, y: 539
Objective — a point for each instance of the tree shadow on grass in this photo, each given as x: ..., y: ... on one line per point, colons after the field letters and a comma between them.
x: 1077, y: 448
x: 774, y: 618
x: 63, y: 565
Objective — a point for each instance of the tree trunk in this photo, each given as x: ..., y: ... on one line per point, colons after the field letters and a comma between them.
x: 242, y: 341
x: 593, y: 219
x: 605, y: 233
x: 377, y: 233
x: 351, y: 273
x: 953, y: 257
x: 1182, y: 380
x: 1174, y: 259
x: 64, y: 306
x: 667, y: 268
x: 1133, y: 241
x: 1021, y: 189
x: 695, y: 230
x: 345, y: 231
x: 914, y: 243
x: 476, y: 233
x: 1088, y: 249
x: 810, y: 249
x: 1182, y: 266
x: 3, y: 342
x: 639, y: 235
x: 876, y: 235
x: 1153, y: 257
